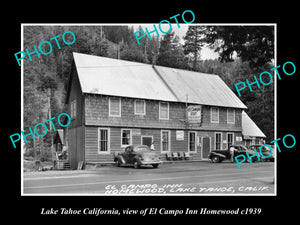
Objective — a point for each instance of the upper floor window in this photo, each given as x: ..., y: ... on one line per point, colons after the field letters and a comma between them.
x: 115, y: 107
x: 164, y: 110
x: 73, y: 109
x: 230, y: 115
x: 214, y: 114
x: 140, y: 107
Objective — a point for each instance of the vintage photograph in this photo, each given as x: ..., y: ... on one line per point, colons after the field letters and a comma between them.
x: 145, y: 109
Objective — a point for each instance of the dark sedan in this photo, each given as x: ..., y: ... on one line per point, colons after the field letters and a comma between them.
x: 220, y: 155
x: 268, y: 156
x: 137, y: 156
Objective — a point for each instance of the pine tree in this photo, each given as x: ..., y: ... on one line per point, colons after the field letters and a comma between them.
x: 171, y: 52
x: 193, y: 42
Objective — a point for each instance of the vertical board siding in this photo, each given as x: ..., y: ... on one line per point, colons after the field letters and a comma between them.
x: 75, y: 148
x: 72, y: 152
x: 91, y: 144
x: 75, y: 94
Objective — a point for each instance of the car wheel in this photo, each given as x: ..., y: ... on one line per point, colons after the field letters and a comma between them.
x: 136, y: 165
x: 215, y: 159
x: 118, y: 163
x: 155, y: 165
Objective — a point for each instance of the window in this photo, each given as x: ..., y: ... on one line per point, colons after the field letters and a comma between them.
x: 229, y: 140
x: 230, y: 116
x: 214, y: 115
x: 125, y: 137
x: 115, y: 107
x: 164, y: 110
x: 140, y: 107
x: 192, y: 141
x: 218, y: 141
x: 147, y: 140
x: 73, y: 109
x: 165, y: 141
x: 252, y: 140
x: 103, y: 140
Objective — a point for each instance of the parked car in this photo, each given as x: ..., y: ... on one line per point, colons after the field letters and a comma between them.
x: 220, y: 155
x: 137, y: 156
x: 265, y: 151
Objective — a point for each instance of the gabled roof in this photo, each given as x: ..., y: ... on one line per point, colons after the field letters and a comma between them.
x: 102, y: 75
x: 199, y: 88
x: 59, y: 134
x: 249, y: 128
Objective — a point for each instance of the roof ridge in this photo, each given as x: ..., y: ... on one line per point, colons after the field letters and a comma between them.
x: 170, y: 89
x: 118, y: 77
x: 195, y: 72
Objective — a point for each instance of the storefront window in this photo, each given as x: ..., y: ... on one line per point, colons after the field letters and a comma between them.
x: 192, y: 141
x: 165, y: 141
x: 218, y: 140
x: 126, y: 137
x: 103, y: 140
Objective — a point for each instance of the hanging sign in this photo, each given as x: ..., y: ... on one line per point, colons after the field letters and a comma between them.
x: 194, y: 114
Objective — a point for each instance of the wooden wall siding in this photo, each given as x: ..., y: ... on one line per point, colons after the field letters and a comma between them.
x: 76, y: 94
x: 206, y: 119
x: 179, y: 146
x: 72, y: 153
x: 91, y: 143
x: 75, y: 148
x: 96, y: 113
x: 224, y: 137
x: 156, y: 137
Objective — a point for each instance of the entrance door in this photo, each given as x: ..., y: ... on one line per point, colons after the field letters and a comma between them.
x: 205, y: 147
x: 147, y: 140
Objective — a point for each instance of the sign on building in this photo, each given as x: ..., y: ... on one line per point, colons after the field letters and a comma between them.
x: 136, y: 132
x: 194, y: 114
x: 238, y: 138
x: 179, y: 135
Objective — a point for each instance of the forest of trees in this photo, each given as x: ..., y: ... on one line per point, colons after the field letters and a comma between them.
x: 243, y: 51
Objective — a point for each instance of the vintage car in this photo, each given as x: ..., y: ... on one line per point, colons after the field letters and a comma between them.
x: 220, y: 155
x: 265, y: 151
x: 137, y: 156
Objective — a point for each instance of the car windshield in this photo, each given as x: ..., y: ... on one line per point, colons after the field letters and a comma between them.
x: 265, y: 149
x: 141, y: 149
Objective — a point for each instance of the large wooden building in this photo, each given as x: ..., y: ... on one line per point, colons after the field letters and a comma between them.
x: 114, y: 103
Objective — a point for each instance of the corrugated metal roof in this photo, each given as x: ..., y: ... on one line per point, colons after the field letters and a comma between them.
x: 249, y: 128
x: 199, y: 88
x: 101, y: 75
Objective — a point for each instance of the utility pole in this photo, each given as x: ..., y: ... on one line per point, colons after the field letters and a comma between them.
x: 186, y: 110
